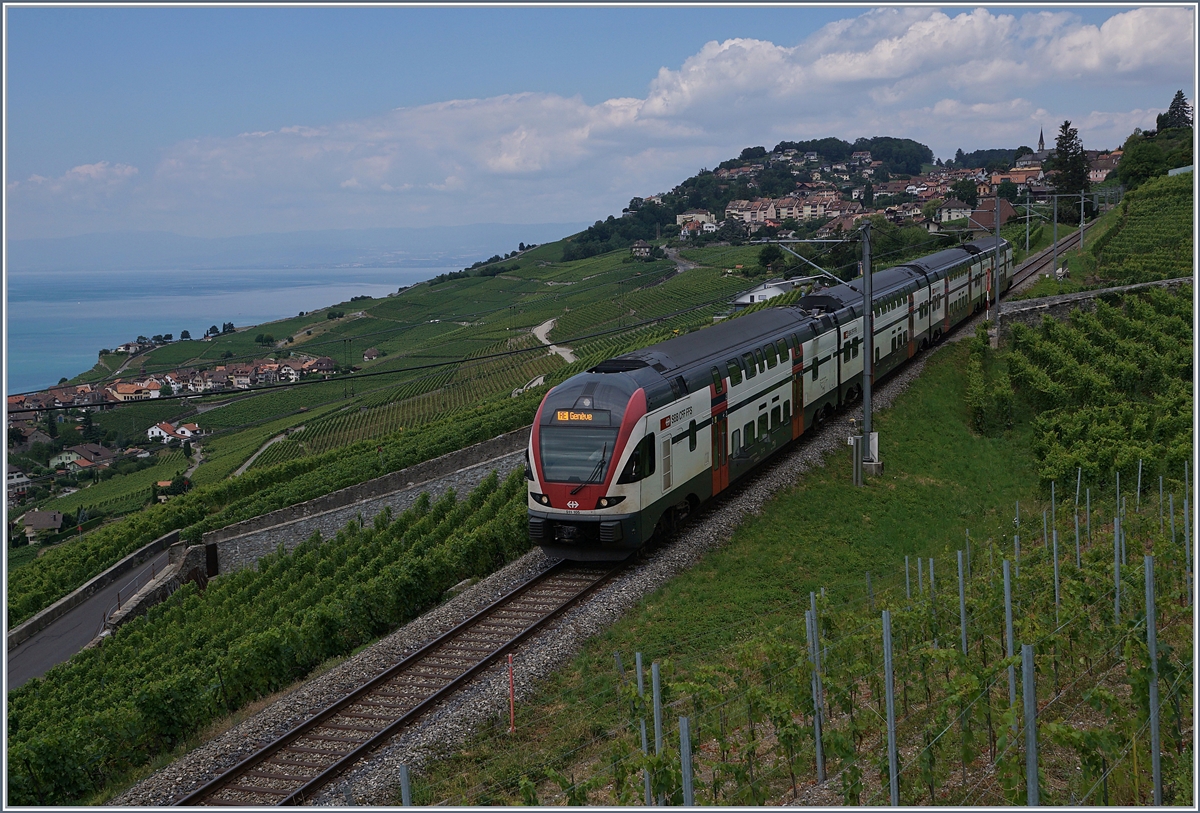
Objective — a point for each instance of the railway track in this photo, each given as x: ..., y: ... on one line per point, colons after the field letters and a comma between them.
x: 1044, y: 260
x: 298, y: 764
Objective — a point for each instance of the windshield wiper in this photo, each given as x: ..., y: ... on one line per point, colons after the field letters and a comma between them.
x: 595, y: 472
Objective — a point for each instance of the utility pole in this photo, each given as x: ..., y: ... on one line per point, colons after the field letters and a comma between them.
x: 996, y: 262
x: 1054, y: 264
x: 1081, y: 201
x: 1027, y: 212
x: 868, y: 341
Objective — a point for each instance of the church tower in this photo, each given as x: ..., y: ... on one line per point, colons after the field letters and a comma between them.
x: 1041, y: 141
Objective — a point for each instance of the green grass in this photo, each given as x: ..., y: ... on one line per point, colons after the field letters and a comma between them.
x: 19, y: 557
x: 939, y: 479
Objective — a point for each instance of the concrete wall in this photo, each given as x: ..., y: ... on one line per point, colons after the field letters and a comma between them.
x: 1030, y: 312
x: 58, y: 609
x: 461, y: 471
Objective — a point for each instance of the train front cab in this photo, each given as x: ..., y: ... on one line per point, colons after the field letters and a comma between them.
x: 587, y: 453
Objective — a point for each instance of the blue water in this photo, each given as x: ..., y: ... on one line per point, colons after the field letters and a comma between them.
x: 58, y: 322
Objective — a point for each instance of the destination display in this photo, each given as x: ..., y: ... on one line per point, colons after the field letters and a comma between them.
x: 592, y: 417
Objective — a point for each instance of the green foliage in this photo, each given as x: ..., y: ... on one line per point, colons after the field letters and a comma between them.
x: 1111, y: 387
x: 160, y: 678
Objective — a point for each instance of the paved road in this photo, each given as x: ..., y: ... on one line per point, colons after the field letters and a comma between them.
x: 71, y: 633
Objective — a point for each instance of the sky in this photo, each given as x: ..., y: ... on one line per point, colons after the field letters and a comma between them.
x: 219, y: 121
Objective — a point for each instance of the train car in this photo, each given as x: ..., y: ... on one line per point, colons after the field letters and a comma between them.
x: 632, y: 446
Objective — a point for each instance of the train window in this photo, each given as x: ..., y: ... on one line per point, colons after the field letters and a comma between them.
x: 781, y: 345
x: 854, y: 351
x: 771, y: 354
x: 877, y: 354
x: 787, y: 410
x: 692, y: 437
x: 776, y: 417
x: 763, y: 426
x: 846, y: 353
x: 795, y: 343
x: 735, y: 441
x: 762, y: 363
x: 716, y: 378
x: 735, y: 372
x: 893, y: 344
x: 748, y: 434
x: 751, y: 367
x: 641, y: 462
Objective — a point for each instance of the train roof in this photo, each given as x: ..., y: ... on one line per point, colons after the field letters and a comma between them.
x: 684, y: 351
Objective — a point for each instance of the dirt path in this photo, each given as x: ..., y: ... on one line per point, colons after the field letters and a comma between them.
x: 242, y: 468
x: 543, y: 330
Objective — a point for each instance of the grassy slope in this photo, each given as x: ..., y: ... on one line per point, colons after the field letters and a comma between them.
x: 939, y: 479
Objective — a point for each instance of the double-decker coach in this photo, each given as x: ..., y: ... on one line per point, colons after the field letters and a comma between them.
x: 637, y: 442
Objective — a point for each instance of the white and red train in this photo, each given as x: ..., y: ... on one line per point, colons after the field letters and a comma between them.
x: 638, y: 441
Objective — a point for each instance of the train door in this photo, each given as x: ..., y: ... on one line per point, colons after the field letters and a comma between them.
x: 797, y: 387
x: 911, y: 331
x: 720, y: 427
x: 946, y: 304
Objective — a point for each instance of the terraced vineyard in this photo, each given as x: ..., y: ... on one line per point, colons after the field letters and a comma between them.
x: 1154, y: 238
x: 202, y: 654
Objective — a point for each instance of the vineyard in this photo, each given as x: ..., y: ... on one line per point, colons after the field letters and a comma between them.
x: 1110, y: 387
x: 256, y: 492
x: 1153, y: 238
x: 122, y: 493
x: 202, y: 654
x: 455, y: 390
x: 772, y: 716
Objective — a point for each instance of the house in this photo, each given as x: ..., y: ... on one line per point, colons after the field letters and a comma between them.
x: 983, y: 219
x: 17, y: 483
x: 30, y: 434
x: 861, y: 157
x: 764, y: 291
x: 370, y: 354
x: 692, y: 228
x: 641, y: 249
x: 42, y: 523
x: 129, y: 392
x: 953, y: 209
x: 326, y: 365
x: 166, y: 432
x: 241, y: 375
x: 708, y: 228
x: 700, y: 215
x: 289, y: 372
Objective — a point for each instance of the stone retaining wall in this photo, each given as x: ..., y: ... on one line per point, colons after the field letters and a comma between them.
x: 184, y: 565
x: 235, y: 552
x: 1030, y: 311
x: 32, y: 626
x: 513, y: 441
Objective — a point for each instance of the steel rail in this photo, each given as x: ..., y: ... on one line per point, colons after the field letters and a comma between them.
x: 1043, y: 258
x: 406, y: 718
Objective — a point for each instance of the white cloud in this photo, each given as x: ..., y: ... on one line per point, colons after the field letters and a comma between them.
x: 968, y: 79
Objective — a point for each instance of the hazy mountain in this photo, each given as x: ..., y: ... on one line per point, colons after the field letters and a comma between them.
x: 436, y: 246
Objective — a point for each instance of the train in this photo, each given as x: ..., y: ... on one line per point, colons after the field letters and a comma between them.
x: 628, y: 449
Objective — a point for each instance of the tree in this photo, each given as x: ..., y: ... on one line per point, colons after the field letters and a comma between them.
x: 1022, y: 150
x: 1178, y: 115
x: 212, y: 331
x: 753, y: 153
x: 868, y: 195
x: 187, y: 449
x: 227, y: 327
x: 966, y: 191
x: 167, y: 337
x: 769, y: 255
x: 1007, y: 190
x: 51, y: 425
x: 166, y: 389
x: 1070, y: 164
x: 62, y: 381
x: 91, y: 432
x: 142, y: 339
x: 1141, y: 161
x: 184, y: 335
x: 258, y: 339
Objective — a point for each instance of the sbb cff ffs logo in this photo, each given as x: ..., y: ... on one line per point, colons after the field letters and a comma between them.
x: 667, y: 420
x: 572, y: 504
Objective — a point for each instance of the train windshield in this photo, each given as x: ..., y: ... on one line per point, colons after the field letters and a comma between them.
x: 577, y: 454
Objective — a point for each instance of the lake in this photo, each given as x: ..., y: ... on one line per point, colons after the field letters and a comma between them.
x: 57, y: 322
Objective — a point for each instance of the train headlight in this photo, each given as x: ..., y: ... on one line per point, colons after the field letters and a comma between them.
x: 608, y: 502
x: 542, y: 498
